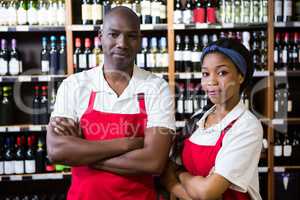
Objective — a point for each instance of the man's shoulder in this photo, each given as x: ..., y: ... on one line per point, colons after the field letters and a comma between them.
x: 146, y: 77
x: 82, y: 78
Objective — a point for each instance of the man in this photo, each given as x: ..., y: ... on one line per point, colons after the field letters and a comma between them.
x: 126, y: 118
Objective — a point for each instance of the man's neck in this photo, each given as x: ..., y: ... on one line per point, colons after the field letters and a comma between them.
x: 115, y: 74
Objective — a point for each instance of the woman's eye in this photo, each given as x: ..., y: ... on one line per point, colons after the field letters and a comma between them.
x: 222, y: 73
x: 204, y: 74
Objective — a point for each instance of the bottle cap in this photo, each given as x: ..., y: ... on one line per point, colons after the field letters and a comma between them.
x: 144, y: 42
x: 53, y: 38
x: 153, y: 42
x: 13, y: 43
x: 163, y: 42
x: 196, y: 39
x: 77, y: 42
x: 96, y: 41
x: 62, y: 38
x: 87, y: 42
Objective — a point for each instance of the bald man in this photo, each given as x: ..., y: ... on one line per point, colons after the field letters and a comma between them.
x: 113, y: 124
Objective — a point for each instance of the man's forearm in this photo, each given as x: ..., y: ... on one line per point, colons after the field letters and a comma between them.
x: 128, y: 172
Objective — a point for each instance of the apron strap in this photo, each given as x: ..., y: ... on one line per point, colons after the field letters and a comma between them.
x: 91, y: 101
x: 141, y: 99
x: 224, y: 131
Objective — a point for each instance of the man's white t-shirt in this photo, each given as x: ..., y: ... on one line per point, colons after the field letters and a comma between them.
x: 238, y: 158
x: 74, y: 93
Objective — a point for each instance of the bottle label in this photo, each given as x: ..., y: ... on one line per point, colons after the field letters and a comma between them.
x: 290, y: 106
x: 12, y: 16
x: 179, y: 106
x: 93, y: 60
x: 287, y: 8
x: 155, y: 9
x: 97, y: 12
x: 32, y: 16
x: 90, y: 57
x: 278, y: 8
x: 228, y: 12
x: 163, y: 11
x: 196, y: 56
x: 140, y: 60
x: 137, y: 9
x: 178, y: 55
x: 188, y: 106
x: 19, y: 167
x: 9, y: 167
x: 53, y: 15
x: 42, y: 16
x: 199, y: 15
x: 1, y: 162
x: 187, y: 55
x: 151, y: 60
x: 287, y: 150
x: 45, y: 66
x: 3, y: 67
x: 284, y: 56
x: 275, y: 56
x: 146, y: 8
x: 246, y: 11
x: 61, y: 16
x: 14, y: 66
x: 177, y: 16
x: 196, y: 107
x: 276, y: 106
x: 164, y: 60
x: 82, y: 61
x: 22, y: 16
x: 86, y: 11
x: 211, y: 15
x: 187, y: 16
x: 29, y: 166
x: 277, y: 150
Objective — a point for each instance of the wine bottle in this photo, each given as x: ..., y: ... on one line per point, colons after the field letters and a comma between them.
x: 97, y: 55
x: 163, y: 12
x: 54, y: 58
x: 155, y: 11
x: 211, y: 12
x: 196, y: 55
x: 12, y: 13
x: 97, y: 9
x: 178, y: 55
x: 136, y: 7
x: 162, y: 58
x: 245, y: 11
x: 88, y: 54
x: 141, y: 60
x: 146, y: 12
x: 187, y: 64
x: 36, y: 106
x: 278, y: 11
x: 30, y: 164
x: 15, y: 62
x: 32, y: 12
x: 106, y: 7
x: 62, y: 56
x: 151, y: 55
x: 4, y: 58
x: 188, y: 13
x: 178, y: 13
x: 53, y: 8
x: 40, y: 156
x: 9, y: 158
x: 229, y: 11
x: 77, y: 55
x: 237, y: 10
x: 180, y: 102
x: 287, y: 10
x: 1, y: 153
x: 22, y: 12
x: 45, y: 57
x: 61, y: 12
x: 20, y: 156
x: 199, y: 12
x: 86, y: 12
x: 7, y: 107
x: 44, y: 106
x: 42, y: 13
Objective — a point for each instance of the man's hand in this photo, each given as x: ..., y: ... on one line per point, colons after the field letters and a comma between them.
x: 65, y: 127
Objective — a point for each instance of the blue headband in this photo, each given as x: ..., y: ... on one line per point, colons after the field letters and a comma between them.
x: 235, y: 57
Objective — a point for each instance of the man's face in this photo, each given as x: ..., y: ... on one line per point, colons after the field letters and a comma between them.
x: 120, y: 40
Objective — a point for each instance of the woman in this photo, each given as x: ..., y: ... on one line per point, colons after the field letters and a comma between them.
x: 221, y: 155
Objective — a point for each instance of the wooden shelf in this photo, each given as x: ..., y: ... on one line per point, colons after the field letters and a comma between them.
x: 286, y: 121
x: 295, y: 24
x: 43, y: 176
x: 33, y: 28
x: 31, y: 78
x: 282, y: 73
x: 218, y: 26
x: 144, y: 27
x: 23, y: 128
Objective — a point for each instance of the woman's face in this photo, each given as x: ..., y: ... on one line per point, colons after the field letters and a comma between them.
x: 220, y: 78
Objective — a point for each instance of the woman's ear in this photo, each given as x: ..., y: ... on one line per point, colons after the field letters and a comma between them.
x: 241, y: 79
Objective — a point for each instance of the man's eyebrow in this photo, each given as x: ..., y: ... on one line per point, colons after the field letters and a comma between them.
x: 118, y: 31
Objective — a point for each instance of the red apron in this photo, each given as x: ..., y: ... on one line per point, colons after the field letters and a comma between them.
x: 200, y: 159
x: 91, y: 184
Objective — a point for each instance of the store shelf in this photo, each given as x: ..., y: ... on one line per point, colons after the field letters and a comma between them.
x: 33, y: 28
x: 22, y: 128
x: 261, y: 73
x: 283, y: 73
x: 46, y: 176
x: 31, y: 78
x: 218, y: 26
x: 286, y: 121
x: 144, y: 27
x: 295, y: 24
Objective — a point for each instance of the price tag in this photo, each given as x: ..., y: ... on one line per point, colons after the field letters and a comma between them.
x: 197, y: 75
x: 202, y: 26
x: 179, y: 26
x: 35, y: 128
x: 279, y: 169
x: 186, y: 75
x: 39, y: 176
x: 15, y: 178
x: 263, y: 169
x: 22, y: 28
x: 228, y: 25
x: 3, y: 28
x: 44, y: 78
x: 280, y: 73
x: 277, y: 121
x: 24, y: 78
x: 13, y: 129
x: 147, y: 27
x: 2, y: 129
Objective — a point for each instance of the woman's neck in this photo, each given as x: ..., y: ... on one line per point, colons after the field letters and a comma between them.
x: 221, y: 110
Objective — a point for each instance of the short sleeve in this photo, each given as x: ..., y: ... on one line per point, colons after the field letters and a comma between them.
x: 65, y: 105
x: 238, y: 158
x: 160, y: 107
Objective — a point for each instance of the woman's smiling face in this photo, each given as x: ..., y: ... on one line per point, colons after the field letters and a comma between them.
x: 220, y: 78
